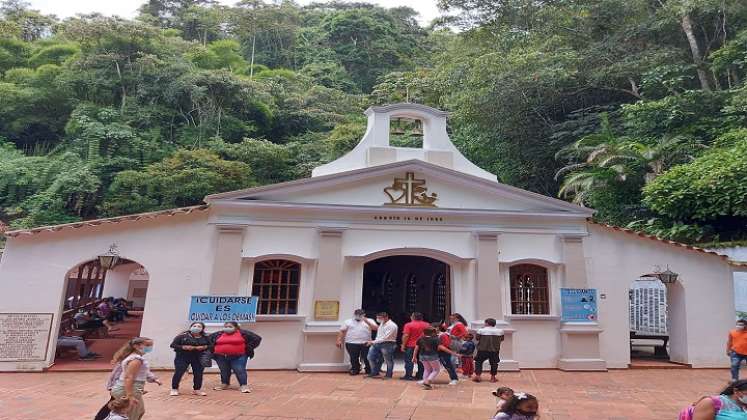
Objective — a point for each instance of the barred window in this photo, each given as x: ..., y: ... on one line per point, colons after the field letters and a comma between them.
x: 529, y: 290
x: 276, y: 284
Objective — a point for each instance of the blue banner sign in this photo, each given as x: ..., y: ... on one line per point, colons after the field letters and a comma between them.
x: 578, y: 305
x: 219, y: 309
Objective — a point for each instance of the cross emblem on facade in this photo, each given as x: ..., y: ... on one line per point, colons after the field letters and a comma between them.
x: 409, y: 191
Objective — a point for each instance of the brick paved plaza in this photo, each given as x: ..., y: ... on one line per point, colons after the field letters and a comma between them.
x: 644, y: 394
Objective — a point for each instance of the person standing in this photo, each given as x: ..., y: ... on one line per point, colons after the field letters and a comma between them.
x: 232, y: 348
x: 467, y: 355
x: 446, y: 357
x: 411, y: 333
x: 134, y: 373
x: 457, y: 329
x: 489, y: 340
x: 383, y: 346
x: 355, y: 333
x: 189, y: 347
x: 736, y: 347
x: 427, y: 350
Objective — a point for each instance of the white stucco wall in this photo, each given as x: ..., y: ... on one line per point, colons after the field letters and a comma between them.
x: 118, y: 280
x: 701, y: 302
x: 176, y: 251
x: 738, y: 253
x: 178, y: 254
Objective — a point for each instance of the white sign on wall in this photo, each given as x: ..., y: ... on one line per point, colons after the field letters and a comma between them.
x: 24, y: 337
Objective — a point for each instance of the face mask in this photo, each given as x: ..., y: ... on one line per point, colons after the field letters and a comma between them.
x: 229, y: 330
x: 740, y: 326
x: 379, y: 320
x: 147, y: 349
x: 195, y: 329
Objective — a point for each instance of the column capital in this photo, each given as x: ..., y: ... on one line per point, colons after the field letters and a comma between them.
x: 573, y: 237
x: 230, y: 228
x: 331, y: 232
x: 487, y: 235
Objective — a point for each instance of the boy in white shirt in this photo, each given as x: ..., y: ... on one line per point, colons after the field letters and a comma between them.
x: 383, y: 347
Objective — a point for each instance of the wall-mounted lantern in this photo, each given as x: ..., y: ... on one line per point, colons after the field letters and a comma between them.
x: 667, y: 276
x: 110, y: 259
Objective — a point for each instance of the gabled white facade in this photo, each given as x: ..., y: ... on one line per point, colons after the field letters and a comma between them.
x: 347, y: 215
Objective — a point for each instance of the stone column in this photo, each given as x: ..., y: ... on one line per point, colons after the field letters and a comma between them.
x: 227, y: 261
x: 488, y: 296
x: 579, y: 341
x: 329, y: 270
x: 319, y: 350
x: 575, y: 262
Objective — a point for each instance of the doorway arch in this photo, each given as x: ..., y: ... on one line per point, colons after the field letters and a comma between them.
x: 85, y: 286
x: 402, y: 284
x: 657, y: 314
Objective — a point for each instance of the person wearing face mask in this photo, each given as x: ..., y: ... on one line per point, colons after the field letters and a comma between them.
x: 134, y: 373
x: 189, y: 347
x: 736, y: 347
x: 730, y: 404
x: 383, y: 347
x: 355, y: 332
x: 232, y: 347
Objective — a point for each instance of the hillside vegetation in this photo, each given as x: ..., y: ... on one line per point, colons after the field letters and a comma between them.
x: 636, y: 108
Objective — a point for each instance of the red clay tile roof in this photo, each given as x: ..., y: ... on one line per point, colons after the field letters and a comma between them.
x: 97, y: 222
x: 668, y: 242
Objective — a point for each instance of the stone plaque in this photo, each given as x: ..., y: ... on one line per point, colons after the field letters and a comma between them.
x: 24, y: 337
x: 326, y: 310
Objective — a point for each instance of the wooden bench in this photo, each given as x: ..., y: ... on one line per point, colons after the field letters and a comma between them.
x: 660, y: 351
x: 69, y: 328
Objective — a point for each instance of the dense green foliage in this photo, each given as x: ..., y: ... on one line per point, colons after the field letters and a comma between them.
x: 636, y: 108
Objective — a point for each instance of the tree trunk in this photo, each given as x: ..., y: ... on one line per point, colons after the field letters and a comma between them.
x: 687, y: 27
x: 122, y: 85
x: 251, y: 64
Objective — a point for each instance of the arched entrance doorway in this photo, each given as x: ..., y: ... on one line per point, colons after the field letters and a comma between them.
x: 402, y: 284
x: 101, y: 329
x: 658, y: 332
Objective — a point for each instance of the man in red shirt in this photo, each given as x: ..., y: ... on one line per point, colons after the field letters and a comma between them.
x: 411, y: 334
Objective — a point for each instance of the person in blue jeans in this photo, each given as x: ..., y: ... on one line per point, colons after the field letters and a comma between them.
x: 383, y: 347
x: 736, y: 347
x: 232, y: 347
x: 445, y: 340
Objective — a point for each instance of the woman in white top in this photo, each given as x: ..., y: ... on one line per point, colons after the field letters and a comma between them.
x: 135, y: 372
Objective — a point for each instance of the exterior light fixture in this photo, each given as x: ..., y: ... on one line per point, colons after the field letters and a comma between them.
x: 667, y: 276
x: 110, y: 259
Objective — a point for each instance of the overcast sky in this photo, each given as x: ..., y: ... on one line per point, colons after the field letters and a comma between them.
x: 127, y: 8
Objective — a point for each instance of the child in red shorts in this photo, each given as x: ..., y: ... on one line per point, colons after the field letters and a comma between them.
x: 467, y: 354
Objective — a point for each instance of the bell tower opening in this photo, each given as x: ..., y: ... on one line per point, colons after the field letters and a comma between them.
x: 406, y: 132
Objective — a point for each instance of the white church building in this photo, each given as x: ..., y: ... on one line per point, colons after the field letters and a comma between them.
x: 384, y: 229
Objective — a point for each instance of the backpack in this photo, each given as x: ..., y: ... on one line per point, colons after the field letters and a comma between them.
x: 687, y: 413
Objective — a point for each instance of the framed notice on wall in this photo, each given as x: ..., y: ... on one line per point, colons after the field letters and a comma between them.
x: 326, y: 310
x: 578, y: 305
x: 24, y: 337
